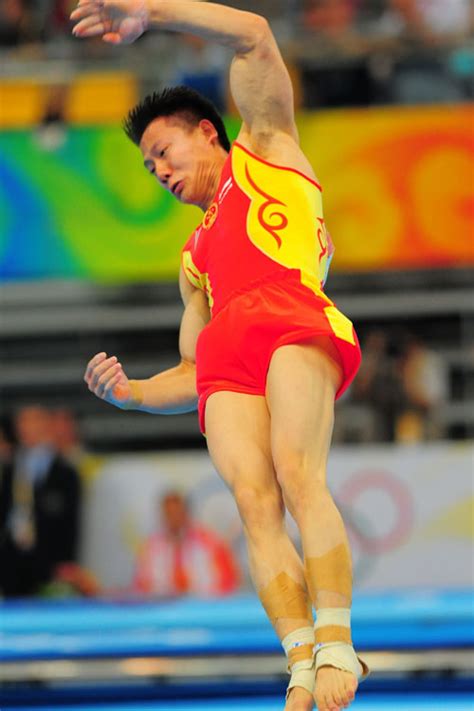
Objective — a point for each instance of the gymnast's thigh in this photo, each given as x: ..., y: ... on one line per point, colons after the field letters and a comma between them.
x: 302, y: 382
x: 238, y: 439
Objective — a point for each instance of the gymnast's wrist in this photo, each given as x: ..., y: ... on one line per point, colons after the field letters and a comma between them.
x: 135, y: 400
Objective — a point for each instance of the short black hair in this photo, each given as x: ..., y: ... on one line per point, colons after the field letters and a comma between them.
x: 180, y: 101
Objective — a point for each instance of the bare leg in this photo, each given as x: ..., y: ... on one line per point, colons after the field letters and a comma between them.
x: 238, y: 437
x: 301, y: 386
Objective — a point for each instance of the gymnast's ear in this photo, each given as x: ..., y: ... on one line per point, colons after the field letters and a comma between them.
x: 209, y: 130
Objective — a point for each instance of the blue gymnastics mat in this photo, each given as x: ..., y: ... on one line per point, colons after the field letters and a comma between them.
x: 410, y: 702
x: 235, y: 625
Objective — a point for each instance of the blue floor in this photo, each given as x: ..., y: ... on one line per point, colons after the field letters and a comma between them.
x: 375, y: 702
x: 235, y: 625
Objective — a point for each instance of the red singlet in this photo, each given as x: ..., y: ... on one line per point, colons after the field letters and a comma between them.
x: 261, y: 255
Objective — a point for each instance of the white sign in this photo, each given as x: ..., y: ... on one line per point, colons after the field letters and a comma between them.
x: 408, y: 511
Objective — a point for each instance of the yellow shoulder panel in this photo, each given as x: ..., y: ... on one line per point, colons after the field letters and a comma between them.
x: 198, y: 279
x: 285, y: 217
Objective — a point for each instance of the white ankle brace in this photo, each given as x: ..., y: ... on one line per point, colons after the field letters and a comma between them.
x: 302, y: 671
x: 333, y: 642
x: 340, y: 656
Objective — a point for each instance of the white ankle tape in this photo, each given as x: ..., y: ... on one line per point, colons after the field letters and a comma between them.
x: 303, y: 635
x: 340, y: 656
x: 303, y: 679
x: 339, y: 616
x: 302, y: 672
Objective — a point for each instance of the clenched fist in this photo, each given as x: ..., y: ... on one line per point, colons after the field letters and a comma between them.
x: 106, y: 379
x: 116, y: 21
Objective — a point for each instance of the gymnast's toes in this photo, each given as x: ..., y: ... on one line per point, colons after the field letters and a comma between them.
x: 335, y: 689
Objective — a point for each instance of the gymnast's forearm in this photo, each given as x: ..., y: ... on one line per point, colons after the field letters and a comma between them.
x: 168, y: 393
x: 228, y: 26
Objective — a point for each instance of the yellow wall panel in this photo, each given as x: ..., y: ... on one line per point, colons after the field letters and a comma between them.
x: 21, y: 103
x: 96, y: 98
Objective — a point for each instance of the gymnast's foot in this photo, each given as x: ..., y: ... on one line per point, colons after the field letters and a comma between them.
x: 335, y: 689
x: 299, y: 700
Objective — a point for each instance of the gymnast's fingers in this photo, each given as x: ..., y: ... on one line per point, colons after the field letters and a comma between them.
x: 98, y: 358
x: 115, y: 380
x: 112, y: 38
x: 82, y: 11
x: 105, y: 378
x: 90, y: 27
x: 100, y: 369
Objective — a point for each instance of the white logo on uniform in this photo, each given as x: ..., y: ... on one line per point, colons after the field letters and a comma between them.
x: 224, y: 190
x: 197, y: 234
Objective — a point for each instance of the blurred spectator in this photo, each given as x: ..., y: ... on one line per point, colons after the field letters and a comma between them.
x: 15, y: 23
x: 51, y: 133
x: 202, y: 66
x: 60, y: 11
x: 378, y: 388
x: 425, y: 387
x: 66, y: 437
x: 7, y: 442
x: 434, y: 21
x: 51, y: 18
x: 331, y: 18
x: 333, y: 55
x: 39, y: 507
x: 183, y: 557
x: 435, y: 30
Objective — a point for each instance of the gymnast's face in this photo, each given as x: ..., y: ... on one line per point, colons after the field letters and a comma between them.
x: 185, y: 159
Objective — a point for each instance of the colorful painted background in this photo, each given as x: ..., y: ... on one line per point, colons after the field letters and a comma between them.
x: 397, y: 190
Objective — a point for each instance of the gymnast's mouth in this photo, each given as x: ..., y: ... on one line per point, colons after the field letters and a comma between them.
x: 177, y: 188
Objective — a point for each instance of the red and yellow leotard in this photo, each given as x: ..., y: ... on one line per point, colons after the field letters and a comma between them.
x: 261, y: 255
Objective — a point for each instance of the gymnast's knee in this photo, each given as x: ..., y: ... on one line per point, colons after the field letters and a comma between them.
x: 302, y: 490
x: 261, y: 509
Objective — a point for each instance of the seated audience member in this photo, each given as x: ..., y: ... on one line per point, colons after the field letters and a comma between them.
x: 434, y: 21
x: 424, y: 388
x: 377, y: 389
x: 39, y: 511
x: 184, y: 557
x: 14, y: 23
x: 330, y: 18
x: 332, y: 55
x: 439, y: 32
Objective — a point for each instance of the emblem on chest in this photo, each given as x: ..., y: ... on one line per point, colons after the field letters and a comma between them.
x: 210, y: 216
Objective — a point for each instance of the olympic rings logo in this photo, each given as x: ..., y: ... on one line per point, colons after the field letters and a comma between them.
x: 366, y: 543
x: 400, y: 497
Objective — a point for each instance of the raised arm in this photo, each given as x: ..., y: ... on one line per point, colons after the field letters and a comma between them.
x: 259, y: 80
x: 169, y: 392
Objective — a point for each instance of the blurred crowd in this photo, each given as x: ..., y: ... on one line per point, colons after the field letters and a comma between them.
x: 340, y: 52
x: 399, y: 394
x: 40, y: 499
x: 427, y: 21
x: 363, y: 52
x: 41, y: 502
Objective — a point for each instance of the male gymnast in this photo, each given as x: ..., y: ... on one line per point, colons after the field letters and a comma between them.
x: 264, y: 352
